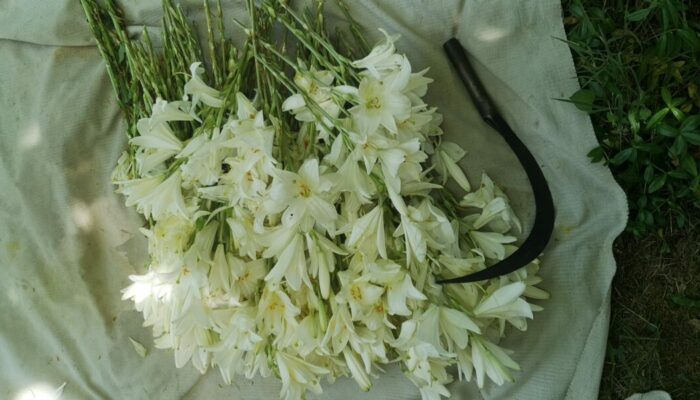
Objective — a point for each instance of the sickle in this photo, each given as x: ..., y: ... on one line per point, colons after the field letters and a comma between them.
x: 544, y: 206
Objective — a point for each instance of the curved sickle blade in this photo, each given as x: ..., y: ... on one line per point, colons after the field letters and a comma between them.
x: 543, y: 226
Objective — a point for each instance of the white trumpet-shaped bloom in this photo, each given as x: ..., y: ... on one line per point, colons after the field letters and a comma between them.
x: 156, y: 197
x: 304, y: 196
x: 199, y: 90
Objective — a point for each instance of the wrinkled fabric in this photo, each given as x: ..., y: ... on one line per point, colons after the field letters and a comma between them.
x: 68, y: 243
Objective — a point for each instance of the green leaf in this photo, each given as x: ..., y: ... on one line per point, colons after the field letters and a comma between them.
x: 678, y: 175
x: 642, y: 202
x: 657, y: 117
x: 689, y: 165
x: 668, y: 130
x: 685, y: 301
x: 649, y: 147
x: 690, y: 37
x: 634, y: 122
x: 121, y: 53
x: 677, y: 113
x: 680, y: 220
x: 692, y: 137
x: 657, y: 183
x: 691, y: 123
x: 597, y: 154
x: 666, y: 95
x: 679, y: 146
x: 648, y: 173
x: 638, y: 15
x: 583, y: 99
x: 622, y: 156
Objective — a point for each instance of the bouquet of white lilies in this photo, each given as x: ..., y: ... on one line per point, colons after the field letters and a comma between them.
x: 296, y: 213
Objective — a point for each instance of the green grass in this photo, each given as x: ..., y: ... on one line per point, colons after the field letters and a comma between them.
x: 638, y: 63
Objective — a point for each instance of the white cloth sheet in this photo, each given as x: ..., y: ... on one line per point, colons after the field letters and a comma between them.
x: 67, y: 243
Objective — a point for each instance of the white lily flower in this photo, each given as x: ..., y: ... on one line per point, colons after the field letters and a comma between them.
x: 287, y: 246
x: 428, y: 329
x: 492, y: 210
x: 445, y: 161
x: 376, y: 318
x: 169, y: 237
x: 487, y: 193
x: 305, y: 196
x: 415, y: 238
x: 246, y: 180
x: 322, y: 260
x: 398, y: 285
x: 203, y: 244
x: 151, y: 294
x: 277, y: 314
x: 151, y: 161
x: 482, y: 196
x: 506, y: 303
x: 298, y: 376
x: 358, y: 293
x: 417, y: 86
x: 205, y: 156
x: 381, y: 103
x: 236, y: 329
x: 434, y: 391
x: 382, y: 57
x: 425, y: 366
x: 458, y: 266
x: 156, y: 144
x: 425, y: 227
x: 394, y: 192
x: 220, y: 279
x: 199, y: 90
x: 317, y: 86
x: 356, y: 370
x: 156, y: 136
x: 122, y: 170
x: 350, y: 178
x: 411, y: 169
x: 336, y: 157
x: 392, y: 154
x: 155, y: 197
x: 166, y: 111
x: 442, y: 234
x: 340, y: 331
x: 456, y: 325
x: 243, y: 233
x: 248, y: 277
x: 419, y: 125
x: 308, y: 336
x: 367, y: 235
x: 491, y: 243
x: 489, y: 359
x: 249, y: 131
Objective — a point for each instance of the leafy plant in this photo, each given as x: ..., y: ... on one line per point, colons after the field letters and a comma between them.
x: 639, y: 68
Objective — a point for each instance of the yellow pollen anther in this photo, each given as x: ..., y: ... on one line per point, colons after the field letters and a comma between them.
x: 356, y: 293
x: 304, y: 190
x: 374, y: 103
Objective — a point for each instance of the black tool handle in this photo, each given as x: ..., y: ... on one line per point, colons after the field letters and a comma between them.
x: 543, y: 225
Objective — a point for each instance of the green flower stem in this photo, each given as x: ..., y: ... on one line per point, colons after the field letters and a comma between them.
x: 212, y: 50
x: 360, y: 40
x: 344, y: 63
